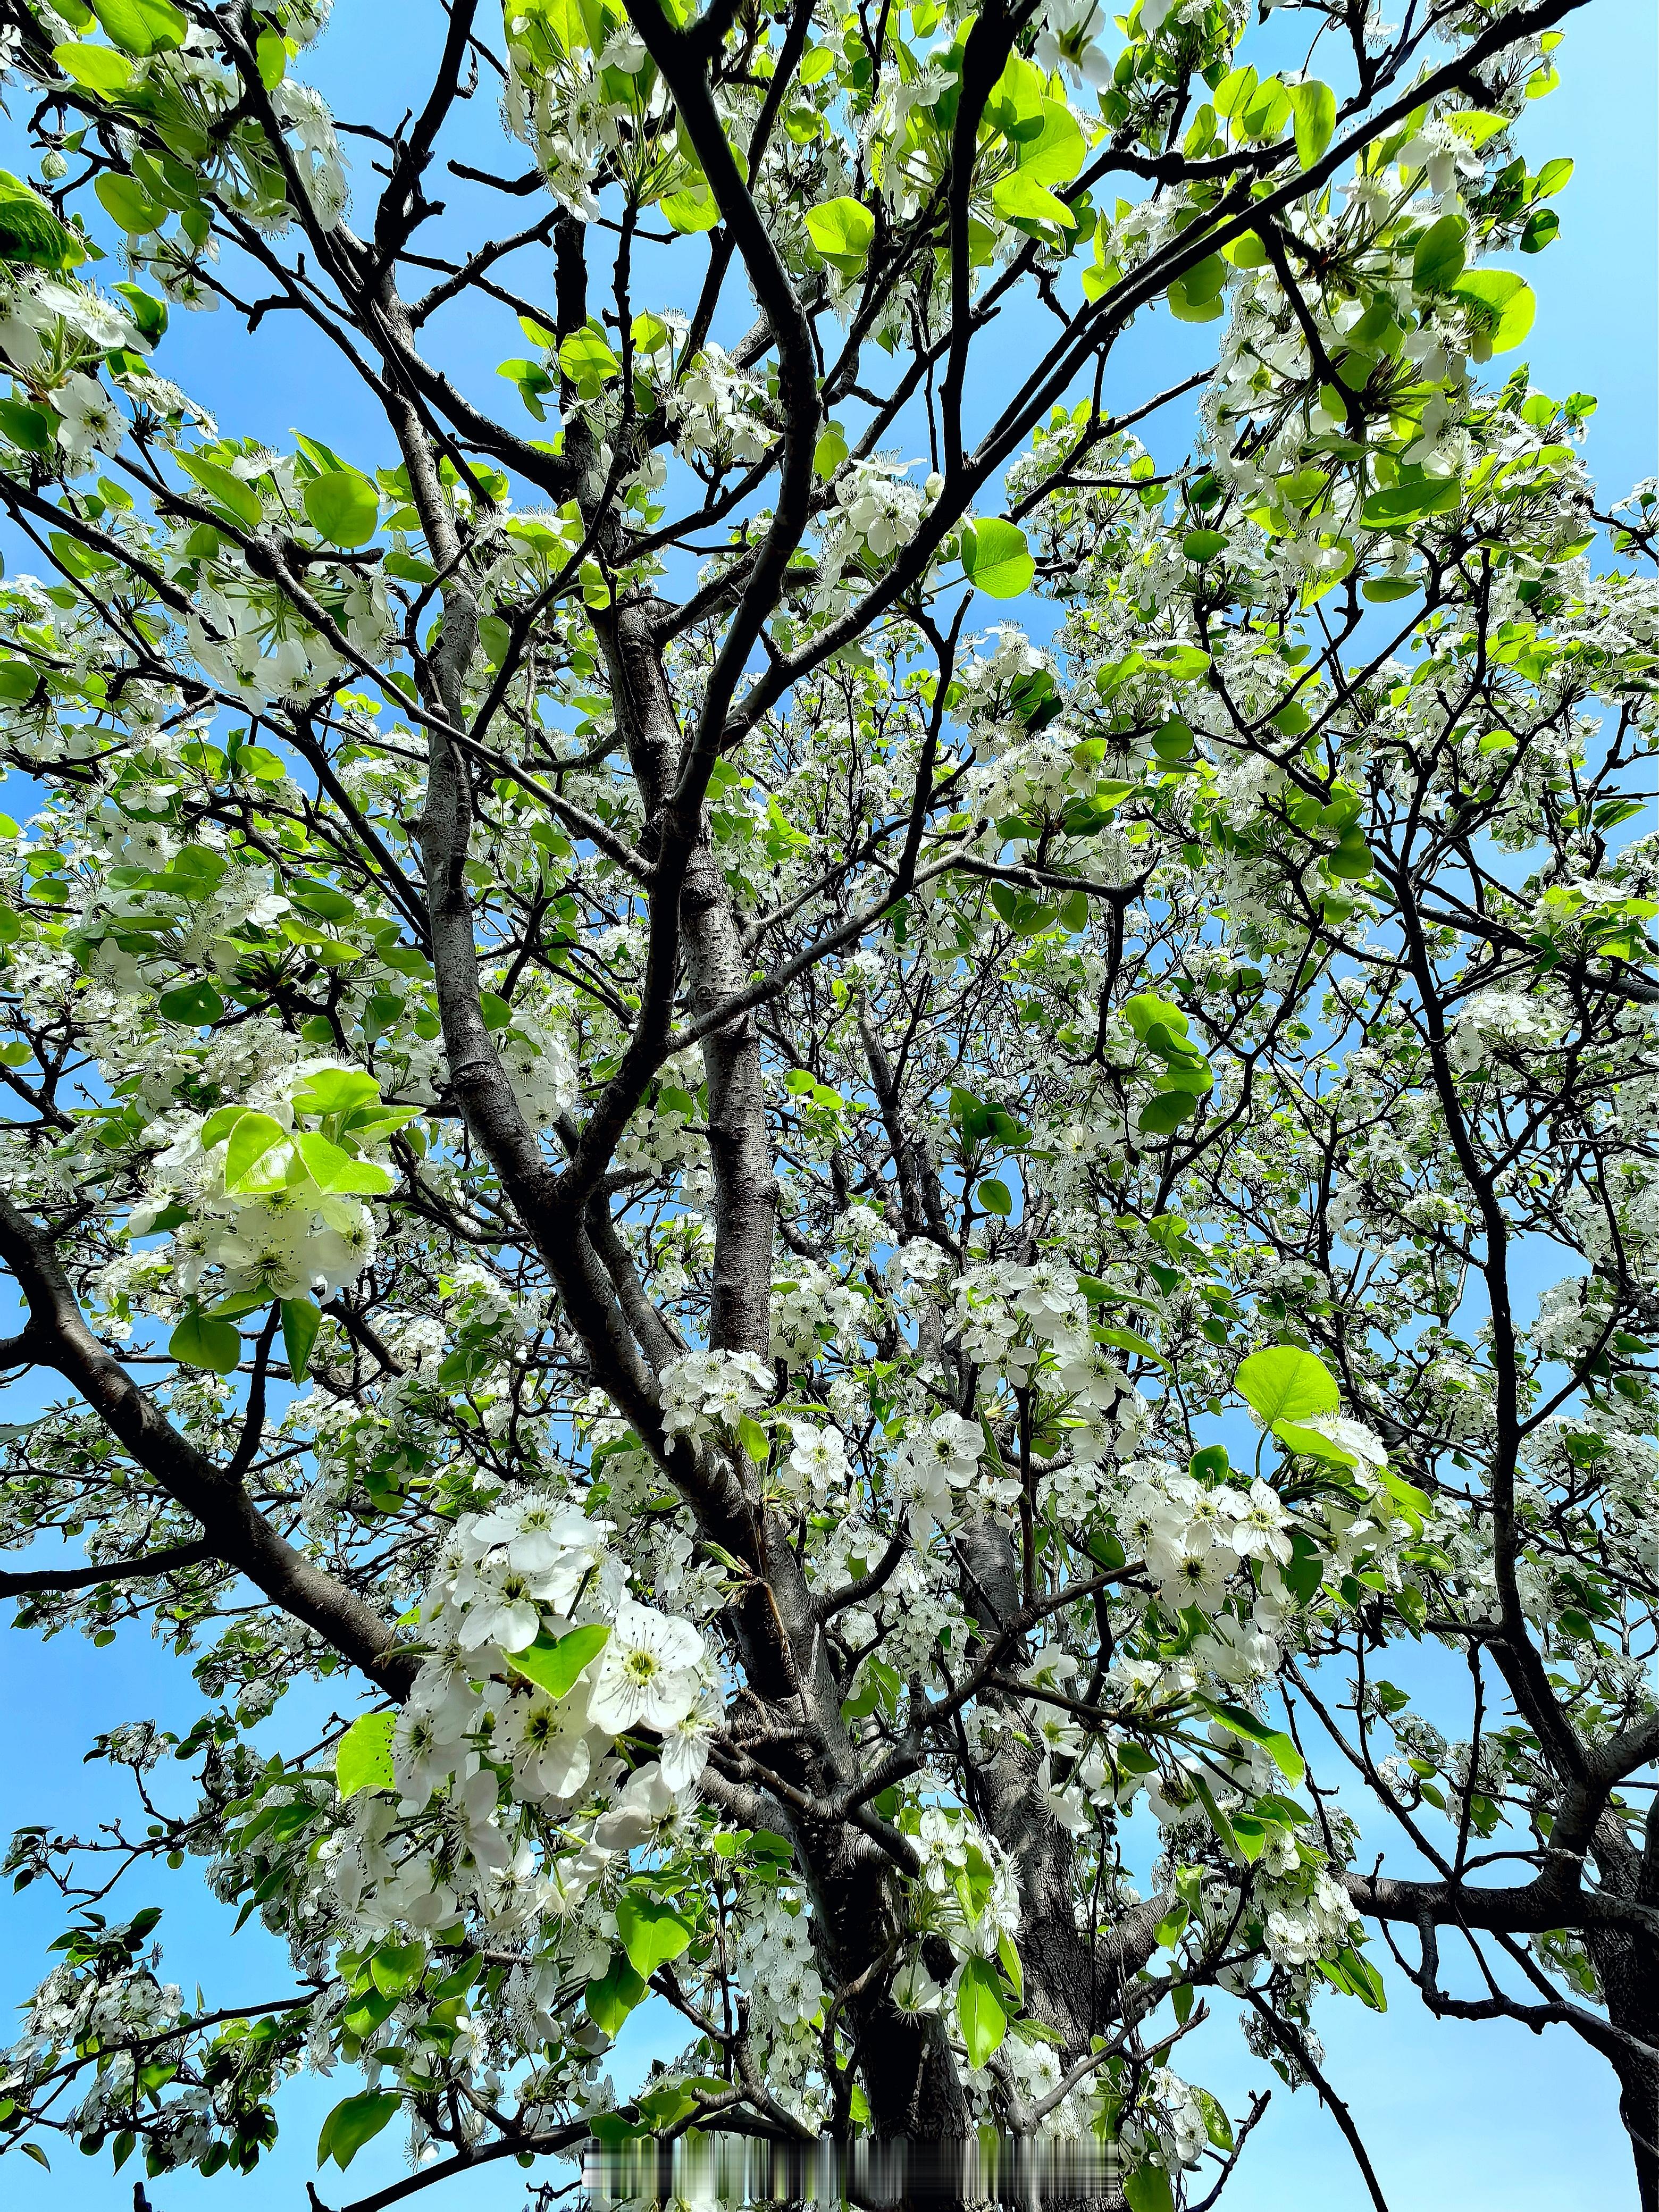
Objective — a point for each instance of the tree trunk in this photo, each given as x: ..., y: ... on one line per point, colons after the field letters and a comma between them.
x: 1626, y: 1961
x: 906, y: 2064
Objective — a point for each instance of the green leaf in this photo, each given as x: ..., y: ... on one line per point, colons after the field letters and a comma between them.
x: 1284, y: 1755
x: 995, y: 1197
x: 1202, y: 545
x: 830, y: 452
x: 1314, y: 105
x: 1218, y: 1820
x: 1023, y: 197
x: 397, y: 1967
x: 1147, y: 2189
x: 1438, y: 256
x: 1009, y: 1955
x: 652, y: 1932
x: 996, y: 560
x: 1415, y: 1505
x: 1285, y: 1384
x: 96, y: 67
x: 363, y: 1759
x: 301, y: 1320
x: 148, y: 312
x: 1411, y: 503
x: 588, y: 361
x: 251, y: 1139
x: 614, y: 1996
x: 353, y: 2124
x: 692, y: 209
x: 30, y: 232
x: 142, y: 27
x: 336, y: 1091
x: 1355, y: 1975
x: 1056, y: 151
x: 30, y: 428
x: 1197, y: 297
x: 980, y: 2011
x: 237, y: 498
x: 842, y: 231
x: 335, y: 1171
x: 271, y: 55
x: 1217, y: 2126
x: 1164, y: 1113
x: 1477, y: 125
x: 190, y: 1005
x: 1501, y: 306
x: 342, y: 507
x: 200, y: 1341
x: 553, y: 1662
x: 125, y: 199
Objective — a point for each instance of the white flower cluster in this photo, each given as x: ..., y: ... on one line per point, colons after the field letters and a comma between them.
x: 937, y: 1460
x: 531, y: 1572
x: 1314, y: 1925
x: 809, y: 1306
x: 816, y: 1465
x: 538, y: 1061
x: 1515, y: 1022
x: 706, y: 1392
x: 276, y: 1207
x: 1010, y: 1319
x: 775, y: 1962
x: 719, y: 410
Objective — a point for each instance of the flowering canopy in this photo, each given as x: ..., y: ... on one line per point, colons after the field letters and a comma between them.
x: 841, y: 1260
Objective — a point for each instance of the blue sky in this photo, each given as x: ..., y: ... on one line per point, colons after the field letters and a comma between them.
x: 1488, y: 2119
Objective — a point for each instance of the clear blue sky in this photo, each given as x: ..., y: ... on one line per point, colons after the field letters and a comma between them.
x: 1484, y: 2119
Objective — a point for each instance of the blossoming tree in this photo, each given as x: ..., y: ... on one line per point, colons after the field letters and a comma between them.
x: 798, y: 1291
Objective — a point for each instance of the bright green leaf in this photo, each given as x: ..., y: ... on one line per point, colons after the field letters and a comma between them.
x: 1057, y: 151
x: 237, y: 498
x: 652, y: 1932
x: 97, y: 67
x: 252, y: 1139
x: 353, y: 2124
x: 336, y: 1091
x: 1438, y: 256
x: 1314, y: 105
x: 842, y: 230
x: 554, y: 1663
x: 588, y: 361
x: 1284, y: 1755
x: 30, y: 232
x: 363, y: 1758
x: 996, y: 559
x: 1503, y: 305
x: 125, y: 199
x: 342, y: 507
x: 980, y: 2012
x: 200, y: 1341
x: 336, y: 1171
x: 142, y: 27
x: 614, y: 1994
x: 301, y: 1320
x: 1285, y: 1384
x: 1022, y: 197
